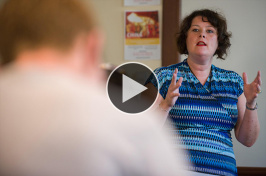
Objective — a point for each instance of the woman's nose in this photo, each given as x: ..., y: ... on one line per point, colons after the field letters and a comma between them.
x: 202, y: 35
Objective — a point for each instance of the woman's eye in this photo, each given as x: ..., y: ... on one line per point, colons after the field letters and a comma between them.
x: 210, y: 31
x: 195, y: 30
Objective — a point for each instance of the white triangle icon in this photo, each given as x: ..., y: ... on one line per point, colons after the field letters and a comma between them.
x: 131, y: 88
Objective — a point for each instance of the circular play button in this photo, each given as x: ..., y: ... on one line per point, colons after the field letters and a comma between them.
x: 129, y: 89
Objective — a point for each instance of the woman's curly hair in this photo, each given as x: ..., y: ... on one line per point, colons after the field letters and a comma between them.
x: 217, y: 20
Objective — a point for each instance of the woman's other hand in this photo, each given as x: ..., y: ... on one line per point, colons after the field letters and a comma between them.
x: 252, y: 90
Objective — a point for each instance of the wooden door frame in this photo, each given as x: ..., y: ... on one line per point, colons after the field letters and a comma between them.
x: 171, y: 20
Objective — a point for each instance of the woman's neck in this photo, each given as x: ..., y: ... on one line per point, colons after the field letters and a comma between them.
x: 201, y: 71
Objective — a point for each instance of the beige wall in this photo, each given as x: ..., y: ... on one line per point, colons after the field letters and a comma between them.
x: 247, y: 22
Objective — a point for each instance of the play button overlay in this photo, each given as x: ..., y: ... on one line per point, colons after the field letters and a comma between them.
x: 129, y: 88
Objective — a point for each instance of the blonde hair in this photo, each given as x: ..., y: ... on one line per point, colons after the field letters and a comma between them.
x: 29, y: 24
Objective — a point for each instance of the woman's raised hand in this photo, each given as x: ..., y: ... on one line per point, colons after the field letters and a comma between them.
x: 252, y: 90
x: 173, y: 90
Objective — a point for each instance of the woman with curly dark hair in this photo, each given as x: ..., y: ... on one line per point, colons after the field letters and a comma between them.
x: 204, y: 102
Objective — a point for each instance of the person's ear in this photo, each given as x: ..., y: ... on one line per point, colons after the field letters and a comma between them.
x: 94, y: 50
x: 95, y: 43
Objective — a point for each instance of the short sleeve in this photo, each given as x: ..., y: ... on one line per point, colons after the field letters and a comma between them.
x: 153, y: 79
x: 240, y: 85
x: 237, y: 83
x: 164, y: 77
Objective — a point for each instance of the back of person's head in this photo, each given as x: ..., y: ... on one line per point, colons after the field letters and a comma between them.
x: 31, y: 24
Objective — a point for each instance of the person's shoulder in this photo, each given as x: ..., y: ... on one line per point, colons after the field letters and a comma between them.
x: 226, y: 74
x: 228, y: 78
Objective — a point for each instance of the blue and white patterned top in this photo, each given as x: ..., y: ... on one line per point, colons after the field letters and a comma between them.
x: 204, y: 115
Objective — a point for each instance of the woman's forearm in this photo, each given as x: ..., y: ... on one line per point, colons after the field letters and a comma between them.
x: 249, y: 128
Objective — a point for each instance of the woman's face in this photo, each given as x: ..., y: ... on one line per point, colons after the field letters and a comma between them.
x: 201, y: 39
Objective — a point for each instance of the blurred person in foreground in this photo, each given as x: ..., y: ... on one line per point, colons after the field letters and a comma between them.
x: 204, y: 102
x: 55, y: 119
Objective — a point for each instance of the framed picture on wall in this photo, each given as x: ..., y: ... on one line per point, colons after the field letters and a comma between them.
x: 142, y: 35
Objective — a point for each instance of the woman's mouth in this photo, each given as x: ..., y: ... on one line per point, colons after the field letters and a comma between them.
x: 201, y: 43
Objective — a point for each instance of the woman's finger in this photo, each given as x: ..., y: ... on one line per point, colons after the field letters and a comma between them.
x: 258, y: 89
x: 245, y: 78
x: 180, y: 80
x: 177, y: 94
x: 174, y: 77
x: 258, y: 78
